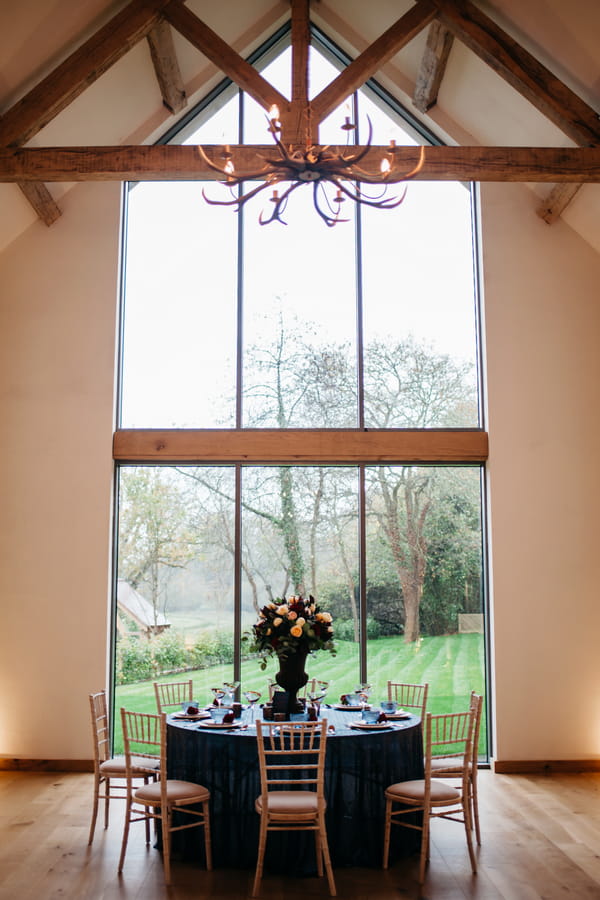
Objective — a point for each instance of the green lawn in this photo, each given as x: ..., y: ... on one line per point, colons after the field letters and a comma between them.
x: 453, y: 665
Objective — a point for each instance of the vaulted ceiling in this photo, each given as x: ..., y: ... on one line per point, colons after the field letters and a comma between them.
x: 106, y: 75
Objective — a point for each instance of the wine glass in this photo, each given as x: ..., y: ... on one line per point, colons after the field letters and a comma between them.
x: 315, y: 697
x: 364, y: 692
x: 218, y: 693
x: 323, y: 686
x: 230, y: 688
x: 252, y: 697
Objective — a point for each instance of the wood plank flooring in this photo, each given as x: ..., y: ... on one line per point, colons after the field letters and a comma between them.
x: 540, y: 834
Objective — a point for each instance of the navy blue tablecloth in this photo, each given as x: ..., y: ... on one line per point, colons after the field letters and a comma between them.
x: 359, y: 766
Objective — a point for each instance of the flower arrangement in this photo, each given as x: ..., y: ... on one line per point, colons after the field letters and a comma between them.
x: 288, y: 626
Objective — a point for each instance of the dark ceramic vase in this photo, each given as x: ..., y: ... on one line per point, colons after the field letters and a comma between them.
x: 291, y: 677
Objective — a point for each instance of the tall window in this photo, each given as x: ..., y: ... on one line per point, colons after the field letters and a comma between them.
x: 370, y: 326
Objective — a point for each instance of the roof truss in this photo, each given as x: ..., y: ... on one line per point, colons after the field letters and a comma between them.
x: 153, y: 20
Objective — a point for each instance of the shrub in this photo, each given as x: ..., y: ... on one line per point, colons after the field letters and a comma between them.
x: 134, y: 661
x: 169, y: 653
x: 210, y: 650
x: 142, y: 660
x: 344, y: 630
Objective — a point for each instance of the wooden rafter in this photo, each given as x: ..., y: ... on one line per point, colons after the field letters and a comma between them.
x: 55, y: 92
x: 373, y: 58
x: 147, y: 19
x: 166, y: 67
x: 41, y: 200
x: 522, y: 70
x: 433, y: 66
x: 223, y: 56
x: 176, y: 162
x: 299, y: 127
x: 553, y: 206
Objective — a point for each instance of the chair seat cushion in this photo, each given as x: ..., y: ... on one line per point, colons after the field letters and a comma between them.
x: 177, y: 792
x: 415, y: 791
x: 116, y: 766
x: 290, y: 803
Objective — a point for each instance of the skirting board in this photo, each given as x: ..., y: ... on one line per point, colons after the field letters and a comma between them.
x: 46, y: 765
x: 544, y: 766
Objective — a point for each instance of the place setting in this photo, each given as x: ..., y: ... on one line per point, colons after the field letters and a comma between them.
x: 379, y: 718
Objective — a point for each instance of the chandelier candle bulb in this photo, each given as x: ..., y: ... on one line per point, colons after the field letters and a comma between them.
x: 275, y: 124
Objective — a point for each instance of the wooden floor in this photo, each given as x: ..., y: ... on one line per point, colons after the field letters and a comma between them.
x: 541, y: 839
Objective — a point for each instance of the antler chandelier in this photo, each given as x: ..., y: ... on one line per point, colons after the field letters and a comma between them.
x: 330, y: 173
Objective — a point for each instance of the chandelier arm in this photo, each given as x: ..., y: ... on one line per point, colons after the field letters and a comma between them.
x: 365, y: 201
x: 351, y: 160
x: 330, y: 221
x: 235, y: 180
x: 357, y: 195
x: 358, y: 174
x: 239, y: 201
x: 279, y: 205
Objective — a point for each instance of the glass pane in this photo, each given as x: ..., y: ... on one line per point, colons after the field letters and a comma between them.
x: 175, y: 600
x: 180, y: 296
x: 300, y: 536
x: 419, y: 302
x: 424, y: 581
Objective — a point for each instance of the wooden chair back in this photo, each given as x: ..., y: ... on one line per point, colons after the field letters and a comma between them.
x: 291, y: 756
x: 409, y: 696
x: 144, y: 738
x: 100, y: 728
x: 450, y: 735
x: 171, y: 694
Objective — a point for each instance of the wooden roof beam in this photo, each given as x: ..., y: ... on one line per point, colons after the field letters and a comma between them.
x: 298, y: 129
x: 166, y: 67
x: 433, y: 66
x: 69, y: 79
x: 224, y: 57
x: 556, y: 202
x: 522, y: 70
x: 373, y: 58
x: 42, y: 201
x: 181, y: 162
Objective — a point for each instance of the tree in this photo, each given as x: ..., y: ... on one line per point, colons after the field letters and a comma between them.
x: 453, y: 575
x: 408, y: 385
x: 154, y: 531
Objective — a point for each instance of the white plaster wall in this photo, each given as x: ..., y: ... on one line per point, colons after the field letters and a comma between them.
x: 58, y: 291
x: 542, y: 326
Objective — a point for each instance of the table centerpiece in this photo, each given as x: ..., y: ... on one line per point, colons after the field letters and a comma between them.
x: 291, y: 629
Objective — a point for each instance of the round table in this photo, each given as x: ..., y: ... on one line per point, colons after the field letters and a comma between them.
x: 359, y: 766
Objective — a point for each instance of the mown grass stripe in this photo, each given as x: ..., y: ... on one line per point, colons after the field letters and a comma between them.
x: 453, y: 665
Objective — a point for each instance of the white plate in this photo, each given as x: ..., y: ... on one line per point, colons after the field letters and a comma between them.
x: 398, y: 715
x: 192, y: 717
x: 349, y: 708
x: 224, y: 726
x: 370, y: 726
